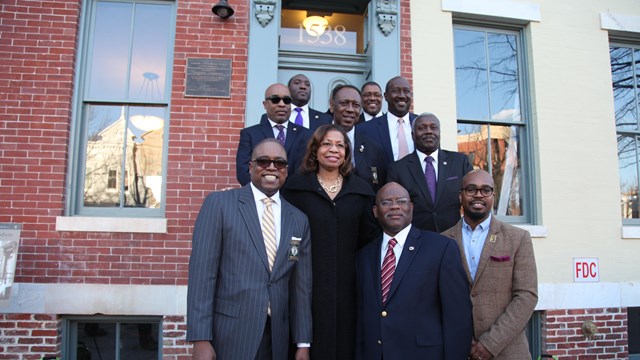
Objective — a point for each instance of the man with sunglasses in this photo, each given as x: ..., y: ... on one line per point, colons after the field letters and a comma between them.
x: 274, y: 124
x: 501, y: 273
x: 250, y: 269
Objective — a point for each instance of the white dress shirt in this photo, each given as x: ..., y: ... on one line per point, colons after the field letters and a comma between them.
x: 423, y: 163
x: 368, y: 117
x: 304, y: 112
x: 393, y: 133
x: 276, y: 208
x: 275, y: 129
x: 400, y: 237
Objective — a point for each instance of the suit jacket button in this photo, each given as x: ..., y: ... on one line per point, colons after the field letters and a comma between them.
x: 384, y: 314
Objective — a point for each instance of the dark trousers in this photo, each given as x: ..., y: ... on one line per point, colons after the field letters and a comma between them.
x: 264, y: 350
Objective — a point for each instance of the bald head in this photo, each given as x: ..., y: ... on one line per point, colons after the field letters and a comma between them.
x: 393, y: 208
x: 279, y: 111
x: 477, y: 196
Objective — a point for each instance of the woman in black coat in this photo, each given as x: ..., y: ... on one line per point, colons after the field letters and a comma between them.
x: 339, y: 207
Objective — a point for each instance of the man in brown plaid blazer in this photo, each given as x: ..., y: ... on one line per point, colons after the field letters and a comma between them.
x: 501, y: 270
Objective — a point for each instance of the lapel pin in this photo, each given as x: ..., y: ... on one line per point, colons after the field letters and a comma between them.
x: 295, y: 129
x: 493, y: 238
x: 444, y: 163
x: 411, y: 248
x: 361, y: 149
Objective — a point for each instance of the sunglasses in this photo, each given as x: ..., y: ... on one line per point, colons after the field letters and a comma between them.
x: 266, y: 162
x: 275, y: 99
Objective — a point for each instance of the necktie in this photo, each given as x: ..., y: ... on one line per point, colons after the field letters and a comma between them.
x: 299, y: 120
x: 280, y: 137
x: 403, y: 148
x: 269, y: 231
x: 388, y: 268
x: 430, y: 176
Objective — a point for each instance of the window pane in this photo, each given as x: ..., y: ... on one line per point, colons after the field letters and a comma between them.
x: 110, y: 55
x: 472, y: 140
x: 104, y: 147
x: 112, y: 340
x: 628, y: 169
x: 505, y: 93
x: 144, y: 157
x: 506, y: 169
x: 624, y: 87
x: 138, y: 341
x: 503, y: 163
x: 96, y: 341
x: 472, y: 91
x: 149, y: 52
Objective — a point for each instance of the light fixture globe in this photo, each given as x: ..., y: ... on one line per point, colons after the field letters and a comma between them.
x: 222, y: 9
x: 315, y: 25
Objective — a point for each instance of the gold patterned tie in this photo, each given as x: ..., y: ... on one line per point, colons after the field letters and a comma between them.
x: 269, y: 231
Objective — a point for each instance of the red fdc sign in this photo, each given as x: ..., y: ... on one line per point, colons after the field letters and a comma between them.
x: 586, y: 270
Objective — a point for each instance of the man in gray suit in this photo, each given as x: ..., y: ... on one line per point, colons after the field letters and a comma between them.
x: 250, y: 269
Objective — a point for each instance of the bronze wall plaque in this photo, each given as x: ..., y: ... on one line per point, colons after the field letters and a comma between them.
x: 208, y: 78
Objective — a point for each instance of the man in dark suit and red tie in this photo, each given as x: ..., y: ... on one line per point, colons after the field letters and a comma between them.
x: 250, y: 269
x: 301, y: 113
x: 432, y: 176
x: 274, y: 124
x: 413, y: 299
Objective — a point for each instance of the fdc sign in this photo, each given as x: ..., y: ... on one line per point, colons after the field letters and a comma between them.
x: 586, y: 270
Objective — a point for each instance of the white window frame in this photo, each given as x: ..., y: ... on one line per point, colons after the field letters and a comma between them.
x: 530, y: 215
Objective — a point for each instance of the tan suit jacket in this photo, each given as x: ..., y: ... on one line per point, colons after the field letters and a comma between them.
x: 504, y: 292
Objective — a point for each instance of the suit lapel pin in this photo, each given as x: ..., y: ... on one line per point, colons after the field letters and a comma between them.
x: 295, y: 129
x: 411, y: 248
x: 493, y: 238
x: 444, y: 163
x: 361, y: 148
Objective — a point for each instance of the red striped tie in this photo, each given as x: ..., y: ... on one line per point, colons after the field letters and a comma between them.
x: 388, y: 268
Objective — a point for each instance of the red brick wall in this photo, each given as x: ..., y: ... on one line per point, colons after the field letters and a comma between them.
x: 174, y: 345
x: 37, y: 54
x: 25, y: 336
x: 406, y: 64
x: 562, y: 334
x: 37, y: 57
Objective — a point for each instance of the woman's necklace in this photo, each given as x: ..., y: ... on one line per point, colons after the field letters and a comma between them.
x: 333, y: 188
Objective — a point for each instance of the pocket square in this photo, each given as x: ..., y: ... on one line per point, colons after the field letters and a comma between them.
x: 500, y: 258
x: 451, y: 178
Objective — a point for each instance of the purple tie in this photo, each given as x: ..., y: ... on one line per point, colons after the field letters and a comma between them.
x: 430, y: 176
x: 280, y: 137
x: 299, y: 120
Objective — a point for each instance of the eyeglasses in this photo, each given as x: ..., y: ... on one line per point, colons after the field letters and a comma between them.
x: 264, y: 163
x: 472, y: 191
x: 275, y: 99
x: 400, y: 202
